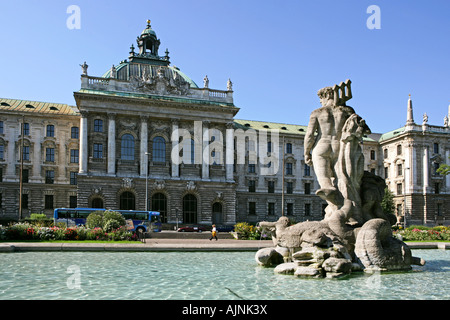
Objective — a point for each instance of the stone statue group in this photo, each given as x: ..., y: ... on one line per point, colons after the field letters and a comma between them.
x: 355, y: 233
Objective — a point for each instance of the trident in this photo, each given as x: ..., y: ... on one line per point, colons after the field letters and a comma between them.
x: 340, y: 93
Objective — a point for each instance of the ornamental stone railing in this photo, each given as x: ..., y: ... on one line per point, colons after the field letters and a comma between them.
x: 160, y: 87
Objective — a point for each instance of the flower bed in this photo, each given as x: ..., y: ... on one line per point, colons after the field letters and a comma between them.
x: 24, y: 231
x: 422, y: 233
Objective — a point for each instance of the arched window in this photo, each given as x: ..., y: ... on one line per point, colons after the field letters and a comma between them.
x: 127, y: 201
x: 127, y: 147
x: 159, y: 203
x: 399, y: 149
x: 97, y: 203
x: 189, y: 209
x: 159, y: 149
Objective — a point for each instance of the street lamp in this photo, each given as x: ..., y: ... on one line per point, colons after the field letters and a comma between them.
x: 146, y: 183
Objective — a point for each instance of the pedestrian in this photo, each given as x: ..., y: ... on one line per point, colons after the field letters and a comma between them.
x: 213, y: 232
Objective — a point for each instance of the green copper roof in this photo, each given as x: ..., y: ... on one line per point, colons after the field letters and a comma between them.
x: 124, y: 64
x: 391, y: 134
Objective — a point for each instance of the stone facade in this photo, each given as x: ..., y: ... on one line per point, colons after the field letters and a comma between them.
x: 128, y: 125
x: 411, y: 156
x: 50, y: 158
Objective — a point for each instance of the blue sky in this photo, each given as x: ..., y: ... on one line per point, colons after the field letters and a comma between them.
x: 277, y: 53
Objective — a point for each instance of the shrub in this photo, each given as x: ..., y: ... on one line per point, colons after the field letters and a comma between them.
x: 95, y: 220
x: 40, y: 220
x: 247, y: 231
x: 112, y: 220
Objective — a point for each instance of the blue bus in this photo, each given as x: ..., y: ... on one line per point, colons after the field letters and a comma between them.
x: 139, y: 221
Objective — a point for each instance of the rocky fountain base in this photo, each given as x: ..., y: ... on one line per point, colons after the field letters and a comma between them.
x: 314, y: 249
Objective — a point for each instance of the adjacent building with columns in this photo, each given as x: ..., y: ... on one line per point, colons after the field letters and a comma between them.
x: 411, y: 156
x: 145, y: 136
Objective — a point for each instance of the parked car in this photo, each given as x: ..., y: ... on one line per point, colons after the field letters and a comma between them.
x: 192, y: 229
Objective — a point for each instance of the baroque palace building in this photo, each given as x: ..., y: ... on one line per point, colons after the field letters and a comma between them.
x: 145, y: 136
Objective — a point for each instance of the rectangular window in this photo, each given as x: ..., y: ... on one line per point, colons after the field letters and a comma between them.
x: 307, y: 209
x: 436, y: 147
x: 271, y: 209
x: 75, y: 132
x: 251, y: 168
x: 26, y: 129
x: 98, y: 125
x: 386, y: 172
x: 98, y: 151
x: 24, y: 201
x: 269, y: 146
x: 73, y: 178
x: 289, y: 187
x: 399, y: 210
x: 289, y: 209
x: 307, y: 188
x: 48, y: 201
x: 436, y: 188
x: 1, y: 174
x: 49, y: 176
x: 50, y: 154
x: 307, y: 171
x: 73, y: 201
x: 74, y: 155
x: 50, y: 130
x: 25, y: 175
x: 2, y: 152
x: 251, y: 186
x: 399, y: 188
x: 26, y: 153
x: 1, y: 127
x: 289, y: 168
x: 436, y: 167
x: 288, y: 147
x: 399, y: 170
x: 252, y: 208
x: 270, y: 186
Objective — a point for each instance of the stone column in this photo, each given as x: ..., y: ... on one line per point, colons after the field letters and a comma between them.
x: 111, y: 143
x: 12, y: 131
x: 206, y: 154
x: 175, y: 148
x: 447, y: 178
x: 407, y: 169
x: 83, y: 142
x: 37, y: 151
x: 144, y: 146
x: 425, y: 169
x: 229, y: 158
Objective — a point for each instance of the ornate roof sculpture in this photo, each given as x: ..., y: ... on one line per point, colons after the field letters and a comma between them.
x: 147, y: 73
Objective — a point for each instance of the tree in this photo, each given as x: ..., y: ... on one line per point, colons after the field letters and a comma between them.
x: 444, y: 169
x: 387, y: 204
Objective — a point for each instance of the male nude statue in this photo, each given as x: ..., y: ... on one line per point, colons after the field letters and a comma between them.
x: 322, y: 150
